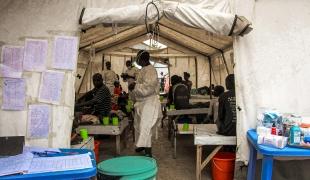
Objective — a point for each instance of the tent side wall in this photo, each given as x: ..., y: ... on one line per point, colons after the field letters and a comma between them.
x: 40, y: 20
x: 272, y: 62
x: 221, y: 68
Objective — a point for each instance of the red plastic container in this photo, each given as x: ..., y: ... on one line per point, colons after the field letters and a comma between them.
x: 223, y: 166
x: 96, y: 150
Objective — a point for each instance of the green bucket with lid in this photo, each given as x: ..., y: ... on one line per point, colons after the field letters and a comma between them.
x: 129, y: 167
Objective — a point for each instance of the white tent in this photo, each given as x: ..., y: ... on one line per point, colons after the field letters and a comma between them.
x: 271, y: 62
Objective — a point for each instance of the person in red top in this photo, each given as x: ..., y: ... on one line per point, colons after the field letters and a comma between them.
x: 116, y: 93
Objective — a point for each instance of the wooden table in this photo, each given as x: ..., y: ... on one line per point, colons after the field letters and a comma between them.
x: 88, y: 144
x: 205, y: 134
x: 173, y: 115
x: 108, y: 130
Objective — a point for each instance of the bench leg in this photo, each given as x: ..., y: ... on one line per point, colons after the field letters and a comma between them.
x: 252, y: 163
x: 169, y: 127
x: 118, y: 145
x: 267, y: 168
x: 198, y: 162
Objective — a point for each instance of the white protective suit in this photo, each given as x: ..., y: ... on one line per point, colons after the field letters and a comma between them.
x: 147, y: 105
x: 109, y: 77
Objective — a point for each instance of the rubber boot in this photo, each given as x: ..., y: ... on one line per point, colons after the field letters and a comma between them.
x: 139, y: 149
x: 148, y: 152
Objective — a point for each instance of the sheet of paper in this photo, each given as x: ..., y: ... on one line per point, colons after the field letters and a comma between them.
x: 35, y: 55
x: 51, y: 87
x: 15, y: 164
x: 38, y: 121
x: 60, y: 163
x: 14, y: 94
x: 12, y: 61
x: 65, y: 52
x: 29, y: 149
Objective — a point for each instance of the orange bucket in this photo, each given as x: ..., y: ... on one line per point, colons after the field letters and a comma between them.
x: 223, y: 166
x: 96, y: 150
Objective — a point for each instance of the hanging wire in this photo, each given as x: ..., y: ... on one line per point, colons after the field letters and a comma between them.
x: 153, y: 34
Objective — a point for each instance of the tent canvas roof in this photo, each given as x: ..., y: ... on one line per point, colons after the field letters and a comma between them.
x: 110, y: 38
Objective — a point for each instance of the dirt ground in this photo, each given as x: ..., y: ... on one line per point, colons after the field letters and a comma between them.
x: 181, y: 168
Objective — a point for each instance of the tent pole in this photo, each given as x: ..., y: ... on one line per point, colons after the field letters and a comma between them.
x: 196, y: 72
x: 224, y: 61
x: 102, y: 63
x: 85, y: 74
x: 210, y: 69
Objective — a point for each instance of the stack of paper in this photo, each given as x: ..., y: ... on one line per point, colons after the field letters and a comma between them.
x: 60, y: 163
x: 18, y: 164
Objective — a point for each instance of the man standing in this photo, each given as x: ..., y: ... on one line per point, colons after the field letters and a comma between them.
x: 187, y: 82
x: 109, y: 76
x: 147, y: 104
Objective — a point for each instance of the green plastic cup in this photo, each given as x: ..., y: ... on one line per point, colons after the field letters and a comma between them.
x: 115, y: 121
x: 172, y: 107
x: 84, y: 134
x: 106, y: 121
x: 185, y: 127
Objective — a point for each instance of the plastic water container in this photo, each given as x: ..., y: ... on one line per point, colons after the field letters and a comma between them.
x: 295, y: 135
x: 223, y: 166
x: 128, y: 168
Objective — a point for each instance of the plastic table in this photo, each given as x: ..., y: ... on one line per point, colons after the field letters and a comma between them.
x: 268, y: 154
x: 73, y: 174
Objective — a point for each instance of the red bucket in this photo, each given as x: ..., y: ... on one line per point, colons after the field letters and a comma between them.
x: 96, y: 150
x: 223, y: 166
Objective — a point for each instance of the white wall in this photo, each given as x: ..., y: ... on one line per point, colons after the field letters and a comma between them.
x: 272, y: 62
x: 43, y: 20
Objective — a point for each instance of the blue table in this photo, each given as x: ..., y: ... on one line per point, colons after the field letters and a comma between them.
x: 268, y: 154
x: 74, y: 174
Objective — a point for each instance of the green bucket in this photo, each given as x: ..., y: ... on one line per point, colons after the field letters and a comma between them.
x: 129, y: 167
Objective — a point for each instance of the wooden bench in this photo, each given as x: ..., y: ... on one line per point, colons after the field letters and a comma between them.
x: 173, y: 115
x: 205, y: 134
x: 109, y: 130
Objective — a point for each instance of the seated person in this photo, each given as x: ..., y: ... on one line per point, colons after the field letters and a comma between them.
x: 226, y: 122
x: 95, y: 104
x: 214, y: 104
x: 178, y: 94
x: 116, y: 93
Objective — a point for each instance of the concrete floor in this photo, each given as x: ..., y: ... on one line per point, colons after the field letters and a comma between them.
x: 181, y: 168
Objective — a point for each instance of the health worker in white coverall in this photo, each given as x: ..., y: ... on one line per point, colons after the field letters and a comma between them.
x: 147, y: 104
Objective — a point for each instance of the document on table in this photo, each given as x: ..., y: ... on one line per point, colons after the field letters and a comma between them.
x: 60, y: 163
x: 29, y: 149
x: 18, y: 164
